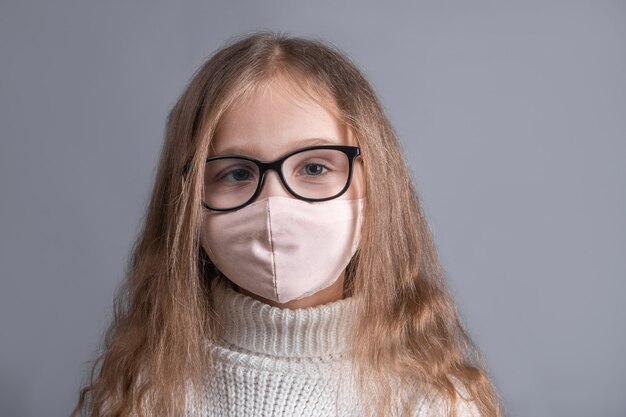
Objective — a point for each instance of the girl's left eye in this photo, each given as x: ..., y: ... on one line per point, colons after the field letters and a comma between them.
x: 315, y: 170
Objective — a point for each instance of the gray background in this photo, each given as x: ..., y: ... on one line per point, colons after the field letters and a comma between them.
x: 513, y: 117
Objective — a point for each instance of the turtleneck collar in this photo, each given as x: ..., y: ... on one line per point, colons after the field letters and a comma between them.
x: 256, y: 327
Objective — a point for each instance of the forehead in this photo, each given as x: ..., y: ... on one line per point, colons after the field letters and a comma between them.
x: 275, y: 119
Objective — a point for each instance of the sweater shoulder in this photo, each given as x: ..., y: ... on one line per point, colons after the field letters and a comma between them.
x: 435, y: 406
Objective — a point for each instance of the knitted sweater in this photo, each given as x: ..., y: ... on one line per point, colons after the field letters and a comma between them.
x: 271, y: 361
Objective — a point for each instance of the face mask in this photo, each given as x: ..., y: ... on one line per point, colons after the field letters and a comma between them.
x: 283, y: 248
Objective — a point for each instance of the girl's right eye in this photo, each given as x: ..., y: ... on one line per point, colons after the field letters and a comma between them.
x: 238, y: 175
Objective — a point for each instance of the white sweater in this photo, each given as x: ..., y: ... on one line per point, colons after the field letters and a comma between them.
x: 271, y: 361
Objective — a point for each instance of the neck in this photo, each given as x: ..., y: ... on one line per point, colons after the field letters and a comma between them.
x: 254, y: 326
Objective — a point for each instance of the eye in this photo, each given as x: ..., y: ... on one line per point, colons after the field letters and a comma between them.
x: 315, y: 169
x: 239, y: 174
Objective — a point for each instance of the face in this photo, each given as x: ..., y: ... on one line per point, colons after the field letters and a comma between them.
x: 278, y: 119
x: 271, y: 122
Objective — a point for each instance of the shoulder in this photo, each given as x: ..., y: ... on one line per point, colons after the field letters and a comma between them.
x: 465, y: 406
x: 435, y: 406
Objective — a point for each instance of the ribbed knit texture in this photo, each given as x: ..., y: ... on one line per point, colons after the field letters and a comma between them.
x: 271, y: 361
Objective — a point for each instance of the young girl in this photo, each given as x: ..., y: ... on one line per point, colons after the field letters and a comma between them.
x: 285, y: 266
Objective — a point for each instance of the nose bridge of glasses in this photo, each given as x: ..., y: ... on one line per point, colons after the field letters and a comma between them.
x: 272, y: 184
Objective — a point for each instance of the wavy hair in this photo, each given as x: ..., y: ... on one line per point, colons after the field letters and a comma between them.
x: 408, y: 340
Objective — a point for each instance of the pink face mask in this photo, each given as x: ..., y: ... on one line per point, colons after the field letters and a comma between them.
x: 283, y: 248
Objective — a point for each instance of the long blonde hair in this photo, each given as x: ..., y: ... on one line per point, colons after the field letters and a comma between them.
x: 408, y: 328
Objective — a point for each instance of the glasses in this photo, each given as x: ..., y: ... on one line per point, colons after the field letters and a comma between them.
x: 314, y: 173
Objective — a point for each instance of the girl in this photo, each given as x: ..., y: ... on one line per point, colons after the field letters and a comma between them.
x: 285, y: 266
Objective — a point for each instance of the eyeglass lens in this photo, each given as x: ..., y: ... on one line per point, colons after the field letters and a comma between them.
x: 317, y: 174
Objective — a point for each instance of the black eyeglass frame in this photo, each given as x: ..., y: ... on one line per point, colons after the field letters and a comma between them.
x: 351, y: 152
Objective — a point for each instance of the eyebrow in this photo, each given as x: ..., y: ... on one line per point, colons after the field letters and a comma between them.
x: 237, y: 150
